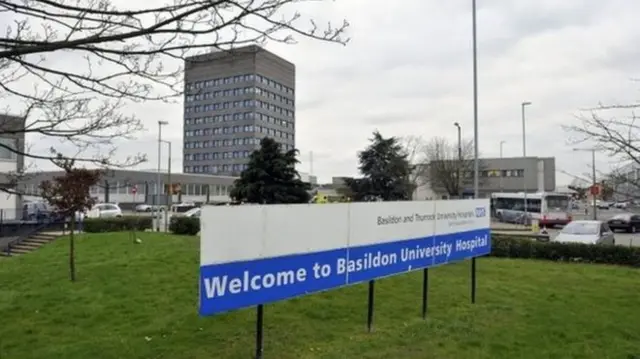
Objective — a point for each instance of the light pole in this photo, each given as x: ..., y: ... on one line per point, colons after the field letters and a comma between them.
x: 459, y: 159
x: 158, y: 184
x: 169, y: 189
x: 593, y: 177
x: 524, y: 155
x: 501, y: 144
x: 476, y: 160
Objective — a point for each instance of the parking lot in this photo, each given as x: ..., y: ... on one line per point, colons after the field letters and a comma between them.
x: 628, y: 239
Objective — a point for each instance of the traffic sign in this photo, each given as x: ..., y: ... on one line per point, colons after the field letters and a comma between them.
x: 594, y: 190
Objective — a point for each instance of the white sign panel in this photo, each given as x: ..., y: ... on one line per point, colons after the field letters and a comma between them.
x: 259, y: 254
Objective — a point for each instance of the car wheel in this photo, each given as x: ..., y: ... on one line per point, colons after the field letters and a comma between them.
x: 147, y: 209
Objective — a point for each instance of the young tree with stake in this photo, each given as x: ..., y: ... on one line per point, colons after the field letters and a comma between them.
x: 69, y: 194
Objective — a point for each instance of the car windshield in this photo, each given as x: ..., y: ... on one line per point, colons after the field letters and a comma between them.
x: 193, y: 212
x: 557, y: 202
x: 623, y: 217
x: 581, y: 228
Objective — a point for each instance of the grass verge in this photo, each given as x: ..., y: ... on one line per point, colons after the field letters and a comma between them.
x: 140, y: 301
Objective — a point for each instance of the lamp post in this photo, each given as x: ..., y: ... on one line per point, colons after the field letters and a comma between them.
x: 158, y: 184
x: 524, y: 155
x: 459, y: 159
x: 169, y: 188
x: 593, y: 177
x: 476, y: 160
x: 501, y: 176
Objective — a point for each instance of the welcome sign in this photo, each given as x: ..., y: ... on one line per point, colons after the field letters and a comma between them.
x: 257, y: 254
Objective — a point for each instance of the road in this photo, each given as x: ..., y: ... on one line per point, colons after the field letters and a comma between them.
x: 626, y: 239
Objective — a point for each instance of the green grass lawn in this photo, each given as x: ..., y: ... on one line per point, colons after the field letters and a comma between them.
x: 140, y: 301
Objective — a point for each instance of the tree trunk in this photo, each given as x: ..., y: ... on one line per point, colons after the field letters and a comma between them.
x: 72, y: 250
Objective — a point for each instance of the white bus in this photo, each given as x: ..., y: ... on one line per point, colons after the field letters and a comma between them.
x: 550, y: 209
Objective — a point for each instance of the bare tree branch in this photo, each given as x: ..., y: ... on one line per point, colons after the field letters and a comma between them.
x: 413, y: 147
x: 615, y: 131
x: 444, y: 165
x: 116, y: 56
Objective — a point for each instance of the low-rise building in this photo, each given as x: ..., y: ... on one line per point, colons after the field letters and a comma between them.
x: 129, y: 187
x: 11, y: 164
x: 508, y: 174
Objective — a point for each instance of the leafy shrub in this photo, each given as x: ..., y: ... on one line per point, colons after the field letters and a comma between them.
x: 185, y: 225
x: 514, y: 247
x: 117, y: 224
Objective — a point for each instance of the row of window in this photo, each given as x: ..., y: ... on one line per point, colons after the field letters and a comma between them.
x: 236, y: 168
x: 208, y: 156
x: 238, y: 117
x: 238, y: 92
x: 244, y: 141
x: 517, y: 204
x: 238, y: 104
x: 126, y: 188
x: 197, y: 85
x: 237, y: 129
x: 495, y: 173
x: 502, y: 173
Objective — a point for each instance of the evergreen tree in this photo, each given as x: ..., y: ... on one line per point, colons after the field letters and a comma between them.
x: 385, y: 171
x: 271, y: 177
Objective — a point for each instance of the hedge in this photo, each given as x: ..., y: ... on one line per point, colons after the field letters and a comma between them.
x: 514, y: 247
x: 185, y: 225
x: 117, y: 224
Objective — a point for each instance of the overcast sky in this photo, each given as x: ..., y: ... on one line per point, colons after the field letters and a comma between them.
x: 407, y: 71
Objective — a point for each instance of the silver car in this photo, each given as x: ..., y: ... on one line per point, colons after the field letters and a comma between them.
x: 587, y: 232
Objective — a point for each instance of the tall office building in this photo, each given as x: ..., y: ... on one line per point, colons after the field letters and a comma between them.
x: 232, y: 100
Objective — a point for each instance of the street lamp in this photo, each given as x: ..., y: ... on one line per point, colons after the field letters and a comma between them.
x: 459, y: 158
x: 157, y: 206
x: 593, y: 175
x: 501, y: 176
x: 524, y: 155
x: 476, y: 160
x: 169, y: 188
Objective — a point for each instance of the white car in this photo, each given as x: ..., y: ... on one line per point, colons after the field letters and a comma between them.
x: 105, y: 210
x: 586, y: 232
x: 148, y: 208
x: 621, y: 205
x: 603, y: 204
x: 194, y: 212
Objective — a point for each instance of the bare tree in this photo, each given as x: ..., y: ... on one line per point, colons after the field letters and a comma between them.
x: 446, y: 170
x: 91, y: 59
x: 613, y: 130
x: 414, y: 149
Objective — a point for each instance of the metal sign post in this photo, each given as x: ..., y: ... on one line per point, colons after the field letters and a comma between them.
x: 425, y: 292
x: 260, y: 332
x: 370, y: 305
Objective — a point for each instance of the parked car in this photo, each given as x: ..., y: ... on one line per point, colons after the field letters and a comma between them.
x: 105, y: 210
x: 603, y: 205
x: 35, y: 211
x: 183, y: 207
x: 621, y: 205
x: 588, y: 232
x: 628, y: 222
x: 194, y: 212
x: 148, y: 208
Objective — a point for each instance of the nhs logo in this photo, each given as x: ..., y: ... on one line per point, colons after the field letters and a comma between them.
x: 480, y: 212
